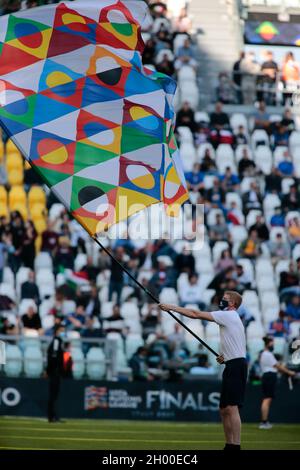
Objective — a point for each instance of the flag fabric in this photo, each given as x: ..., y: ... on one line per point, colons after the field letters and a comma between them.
x: 77, y: 101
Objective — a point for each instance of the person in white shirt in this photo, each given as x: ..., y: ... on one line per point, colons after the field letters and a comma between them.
x: 233, y: 354
x: 269, y: 367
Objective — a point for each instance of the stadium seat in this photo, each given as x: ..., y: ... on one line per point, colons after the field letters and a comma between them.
x: 16, y: 196
x: 78, y: 368
x: 286, y: 183
x: 43, y: 261
x: 8, y: 290
x: 80, y: 261
x: 132, y: 343
x: 218, y: 248
x: 238, y: 119
x: 239, y: 152
x: 14, y: 362
x: 185, y: 134
x: 8, y: 276
x: 259, y: 136
x: 255, y: 330
x: 15, y: 177
x: 279, y: 154
x: 168, y: 295
x: 201, y: 116
x: 263, y: 158
x: 188, y: 156
x: 95, y: 365
x: 45, y: 276
x: 33, y: 362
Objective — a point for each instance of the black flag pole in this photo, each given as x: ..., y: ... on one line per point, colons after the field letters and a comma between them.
x: 152, y: 296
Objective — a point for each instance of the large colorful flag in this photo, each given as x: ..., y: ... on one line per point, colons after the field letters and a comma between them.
x: 77, y: 101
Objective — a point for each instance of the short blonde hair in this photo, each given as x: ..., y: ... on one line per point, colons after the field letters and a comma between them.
x: 234, y: 297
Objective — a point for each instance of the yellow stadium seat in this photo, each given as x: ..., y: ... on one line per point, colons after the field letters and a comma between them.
x: 3, y: 195
x: 36, y: 195
x: 11, y: 148
x: 37, y: 211
x: 15, y: 177
x: 16, y: 195
x: 3, y: 210
x: 14, y: 161
x: 40, y: 225
x: 22, y: 209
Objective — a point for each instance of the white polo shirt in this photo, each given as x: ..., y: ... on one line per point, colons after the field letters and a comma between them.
x: 267, y: 362
x: 232, y: 334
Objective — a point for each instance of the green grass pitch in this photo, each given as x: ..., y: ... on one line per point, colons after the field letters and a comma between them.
x: 28, y: 433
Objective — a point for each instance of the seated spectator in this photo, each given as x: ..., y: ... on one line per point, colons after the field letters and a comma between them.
x: 115, y: 323
x: 280, y: 136
x: 31, y: 319
x: 273, y: 181
x: 203, y: 367
x: 294, y: 231
x: 218, y: 118
x: 208, y: 165
x: 293, y: 308
x: 262, y: 117
x: 185, y: 117
x: 151, y: 320
x: 290, y: 278
x: 234, y: 214
x: 90, y: 269
x: 261, y: 227
x: 277, y: 219
x: 165, y: 66
x: 280, y: 327
x: 195, y: 178
x: 77, y: 320
x: 185, y: 261
x: 191, y: 292
x: 252, y: 199
x: 29, y: 289
x: 49, y: 239
x: 279, y: 249
x: 149, y: 52
x: 218, y: 231
x: 163, y: 41
x: 7, y: 327
x: 185, y: 56
x: 225, y: 89
x: 138, y: 364
x: 246, y: 166
x: 286, y: 166
x: 250, y: 248
x: 291, y: 201
x: 201, y: 135
x: 243, y: 278
x: 225, y: 261
x: 288, y: 121
x: 240, y: 138
x: 64, y: 256
x: 229, y: 181
x: 216, y: 194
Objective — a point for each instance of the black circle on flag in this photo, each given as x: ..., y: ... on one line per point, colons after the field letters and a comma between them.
x: 110, y: 77
x: 88, y: 194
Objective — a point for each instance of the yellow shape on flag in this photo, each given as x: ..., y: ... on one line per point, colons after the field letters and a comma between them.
x: 57, y: 157
x: 136, y: 112
x: 39, y: 52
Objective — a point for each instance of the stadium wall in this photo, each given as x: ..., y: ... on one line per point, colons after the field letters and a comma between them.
x: 187, y: 401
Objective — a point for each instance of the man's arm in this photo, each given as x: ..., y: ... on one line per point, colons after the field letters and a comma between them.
x: 187, y: 312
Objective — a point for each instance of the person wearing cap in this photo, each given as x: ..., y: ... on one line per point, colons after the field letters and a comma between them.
x: 269, y: 368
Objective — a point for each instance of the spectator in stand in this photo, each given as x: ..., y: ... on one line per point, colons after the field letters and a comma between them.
x: 49, y: 239
x: 17, y: 232
x: 149, y: 52
x: 165, y: 66
x: 229, y: 181
x: 203, y: 367
x: 116, y: 281
x: 191, y: 292
x: 185, y: 261
x: 273, y: 182
x: 77, y: 320
x: 250, y: 248
x: 195, y: 178
x: 234, y: 215
x: 201, y: 135
x: 262, y: 117
x: 186, y: 56
x: 288, y: 121
x: 290, y: 278
x: 225, y: 261
x: 91, y: 270
x: 279, y: 249
x: 7, y: 327
x: 185, y: 117
x: 208, y: 165
x: 115, y: 323
x: 225, y: 89
x: 30, y: 290
x: 280, y: 327
x: 290, y: 76
x: 237, y: 77
x: 261, y: 227
x: 10, y: 6
x: 246, y: 166
x: 267, y: 80
x: 138, y: 364
x: 216, y: 194
x: 249, y: 69
x: 294, y: 231
x: 243, y: 278
x: 218, y: 118
x: 31, y: 319
x: 286, y: 166
x: 280, y: 136
x: 28, y: 251
x: 240, y: 137
x: 291, y: 201
x: 252, y: 199
x: 277, y: 219
x: 150, y: 320
x: 293, y: 308
x: 218, y: 231
x: 64, y: 258
x: 163, y: 41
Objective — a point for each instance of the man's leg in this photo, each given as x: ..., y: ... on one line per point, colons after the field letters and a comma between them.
x: 226, y: 420
x: 265, y: 408
x: 235, y: 424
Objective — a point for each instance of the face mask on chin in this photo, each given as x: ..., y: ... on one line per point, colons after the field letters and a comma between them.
x: 223, y: 304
